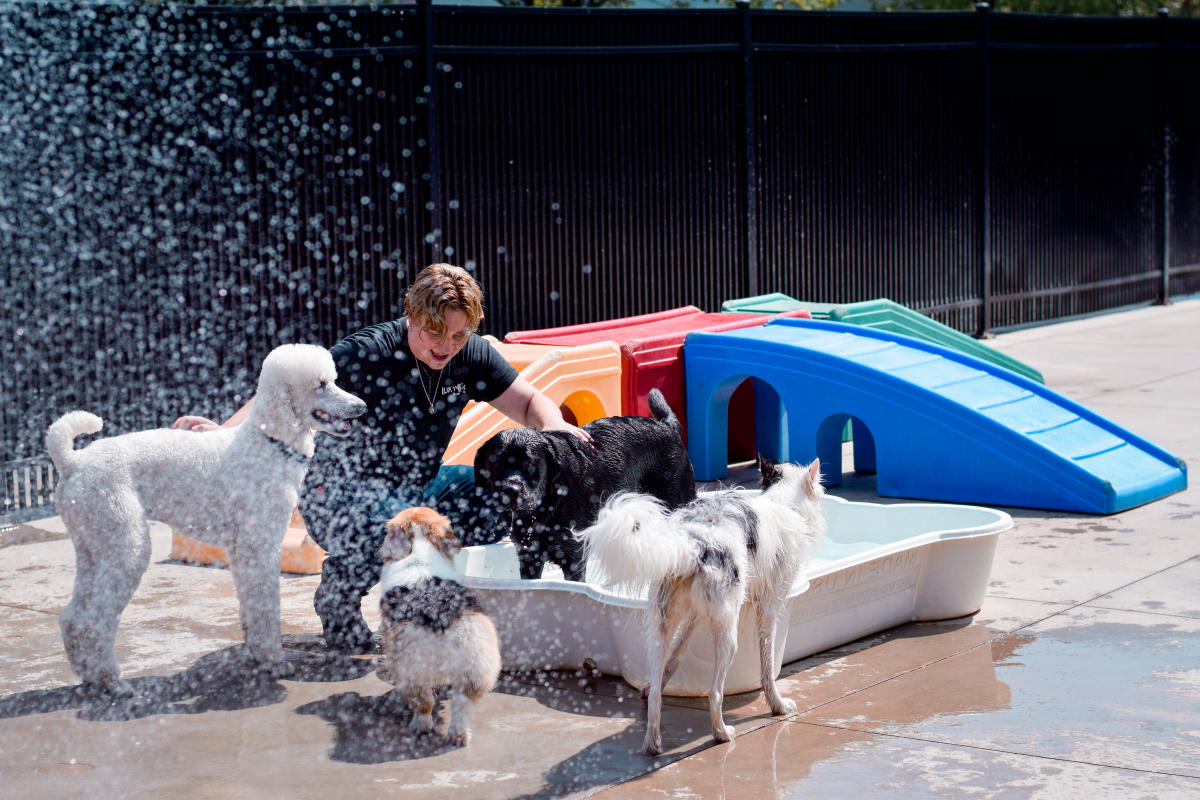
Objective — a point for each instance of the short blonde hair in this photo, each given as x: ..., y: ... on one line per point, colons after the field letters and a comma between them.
x: 438, y: 289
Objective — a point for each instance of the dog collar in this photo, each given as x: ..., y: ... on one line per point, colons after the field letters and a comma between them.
x: 291, y: 453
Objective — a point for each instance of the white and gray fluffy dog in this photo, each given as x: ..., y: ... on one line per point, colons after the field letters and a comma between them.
x: 703, y: 562
x: 435, y: 634
x: 233, y: 488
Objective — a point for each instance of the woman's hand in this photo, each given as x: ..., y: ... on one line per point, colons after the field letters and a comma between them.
x: 194, y: 423
x: 204, y: 424
x: 562, y: 425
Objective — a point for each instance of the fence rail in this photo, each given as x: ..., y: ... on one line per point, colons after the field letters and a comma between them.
x: 28, y: 490
x: 182, y: 188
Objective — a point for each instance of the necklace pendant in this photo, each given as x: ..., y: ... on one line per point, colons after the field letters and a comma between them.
x: 430, y: 398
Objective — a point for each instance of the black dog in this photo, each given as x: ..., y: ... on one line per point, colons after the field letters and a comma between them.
x: 552, y: 483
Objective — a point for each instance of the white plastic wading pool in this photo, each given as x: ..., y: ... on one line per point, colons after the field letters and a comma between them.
x: 880, y: 566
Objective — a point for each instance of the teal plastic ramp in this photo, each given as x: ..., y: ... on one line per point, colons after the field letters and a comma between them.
x: 886, y: 315
x: 942, y: 425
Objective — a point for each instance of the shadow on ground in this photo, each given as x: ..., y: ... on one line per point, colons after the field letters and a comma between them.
x: 374, y: 729
x: 225, y: 680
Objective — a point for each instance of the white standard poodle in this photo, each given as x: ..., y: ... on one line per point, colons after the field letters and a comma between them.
x: 234, y: 488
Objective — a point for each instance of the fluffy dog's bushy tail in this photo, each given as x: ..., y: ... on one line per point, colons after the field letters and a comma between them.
x: 632, y: 545
x: 60, y: 437
x: 662, y: 410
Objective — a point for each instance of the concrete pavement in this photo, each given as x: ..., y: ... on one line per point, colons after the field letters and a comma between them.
x: 1079, y: 677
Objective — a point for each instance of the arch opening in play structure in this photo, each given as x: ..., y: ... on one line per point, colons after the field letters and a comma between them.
x: 741, y: 441
x: 844, y: 444
x: 569, y: 415
x: 748, y: 428
x: 582, y: 407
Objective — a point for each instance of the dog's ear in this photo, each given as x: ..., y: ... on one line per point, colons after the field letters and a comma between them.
x: 397, y: 544
x: 769, y: 472
x: 550, y: 455
x: 442, y: 537
x: 273, y: 396
x: 812, y: 480
x: 488, y: 459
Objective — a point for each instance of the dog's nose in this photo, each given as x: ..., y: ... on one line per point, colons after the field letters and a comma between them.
x: 509, y: 493
x: 355, y: 407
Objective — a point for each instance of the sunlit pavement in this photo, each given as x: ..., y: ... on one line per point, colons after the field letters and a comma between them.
x: 1079, y: 677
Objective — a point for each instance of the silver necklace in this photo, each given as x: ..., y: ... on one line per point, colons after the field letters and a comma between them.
x: 421, y: 379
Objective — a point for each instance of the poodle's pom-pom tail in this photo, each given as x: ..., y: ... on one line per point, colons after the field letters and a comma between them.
x: 632, y: 545
x: 60, y: 437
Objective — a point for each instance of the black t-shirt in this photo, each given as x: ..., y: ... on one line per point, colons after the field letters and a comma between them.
x: 399, y: 442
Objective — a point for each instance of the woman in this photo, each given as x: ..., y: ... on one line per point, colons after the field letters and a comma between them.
x: 416, y: 374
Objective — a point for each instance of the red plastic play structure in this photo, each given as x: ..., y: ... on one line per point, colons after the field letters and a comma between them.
x: 652, y: 358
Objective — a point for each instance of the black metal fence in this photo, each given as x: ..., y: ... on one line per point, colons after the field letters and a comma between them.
x: 183, y: 188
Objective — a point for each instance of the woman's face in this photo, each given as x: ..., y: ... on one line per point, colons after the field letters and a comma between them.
x: 436, y: 351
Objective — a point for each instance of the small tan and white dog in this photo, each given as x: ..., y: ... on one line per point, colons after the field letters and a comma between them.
x: 435, y: 633
x: 703, y: 562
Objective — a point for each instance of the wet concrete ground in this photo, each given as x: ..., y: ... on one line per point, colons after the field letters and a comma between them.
x: 1079, y: 677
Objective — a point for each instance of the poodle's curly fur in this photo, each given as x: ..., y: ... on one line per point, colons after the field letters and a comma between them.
x: 234, y: 488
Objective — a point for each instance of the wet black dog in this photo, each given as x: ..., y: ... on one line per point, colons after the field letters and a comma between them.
x: 552, y: 483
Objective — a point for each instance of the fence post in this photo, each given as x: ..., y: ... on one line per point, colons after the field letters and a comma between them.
x: 985, y: 174
x: 1164, y: 220
x: 749, y: 166
x: 432, y: 138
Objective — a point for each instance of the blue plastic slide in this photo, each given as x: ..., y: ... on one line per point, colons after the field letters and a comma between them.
x: 942, y: 425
